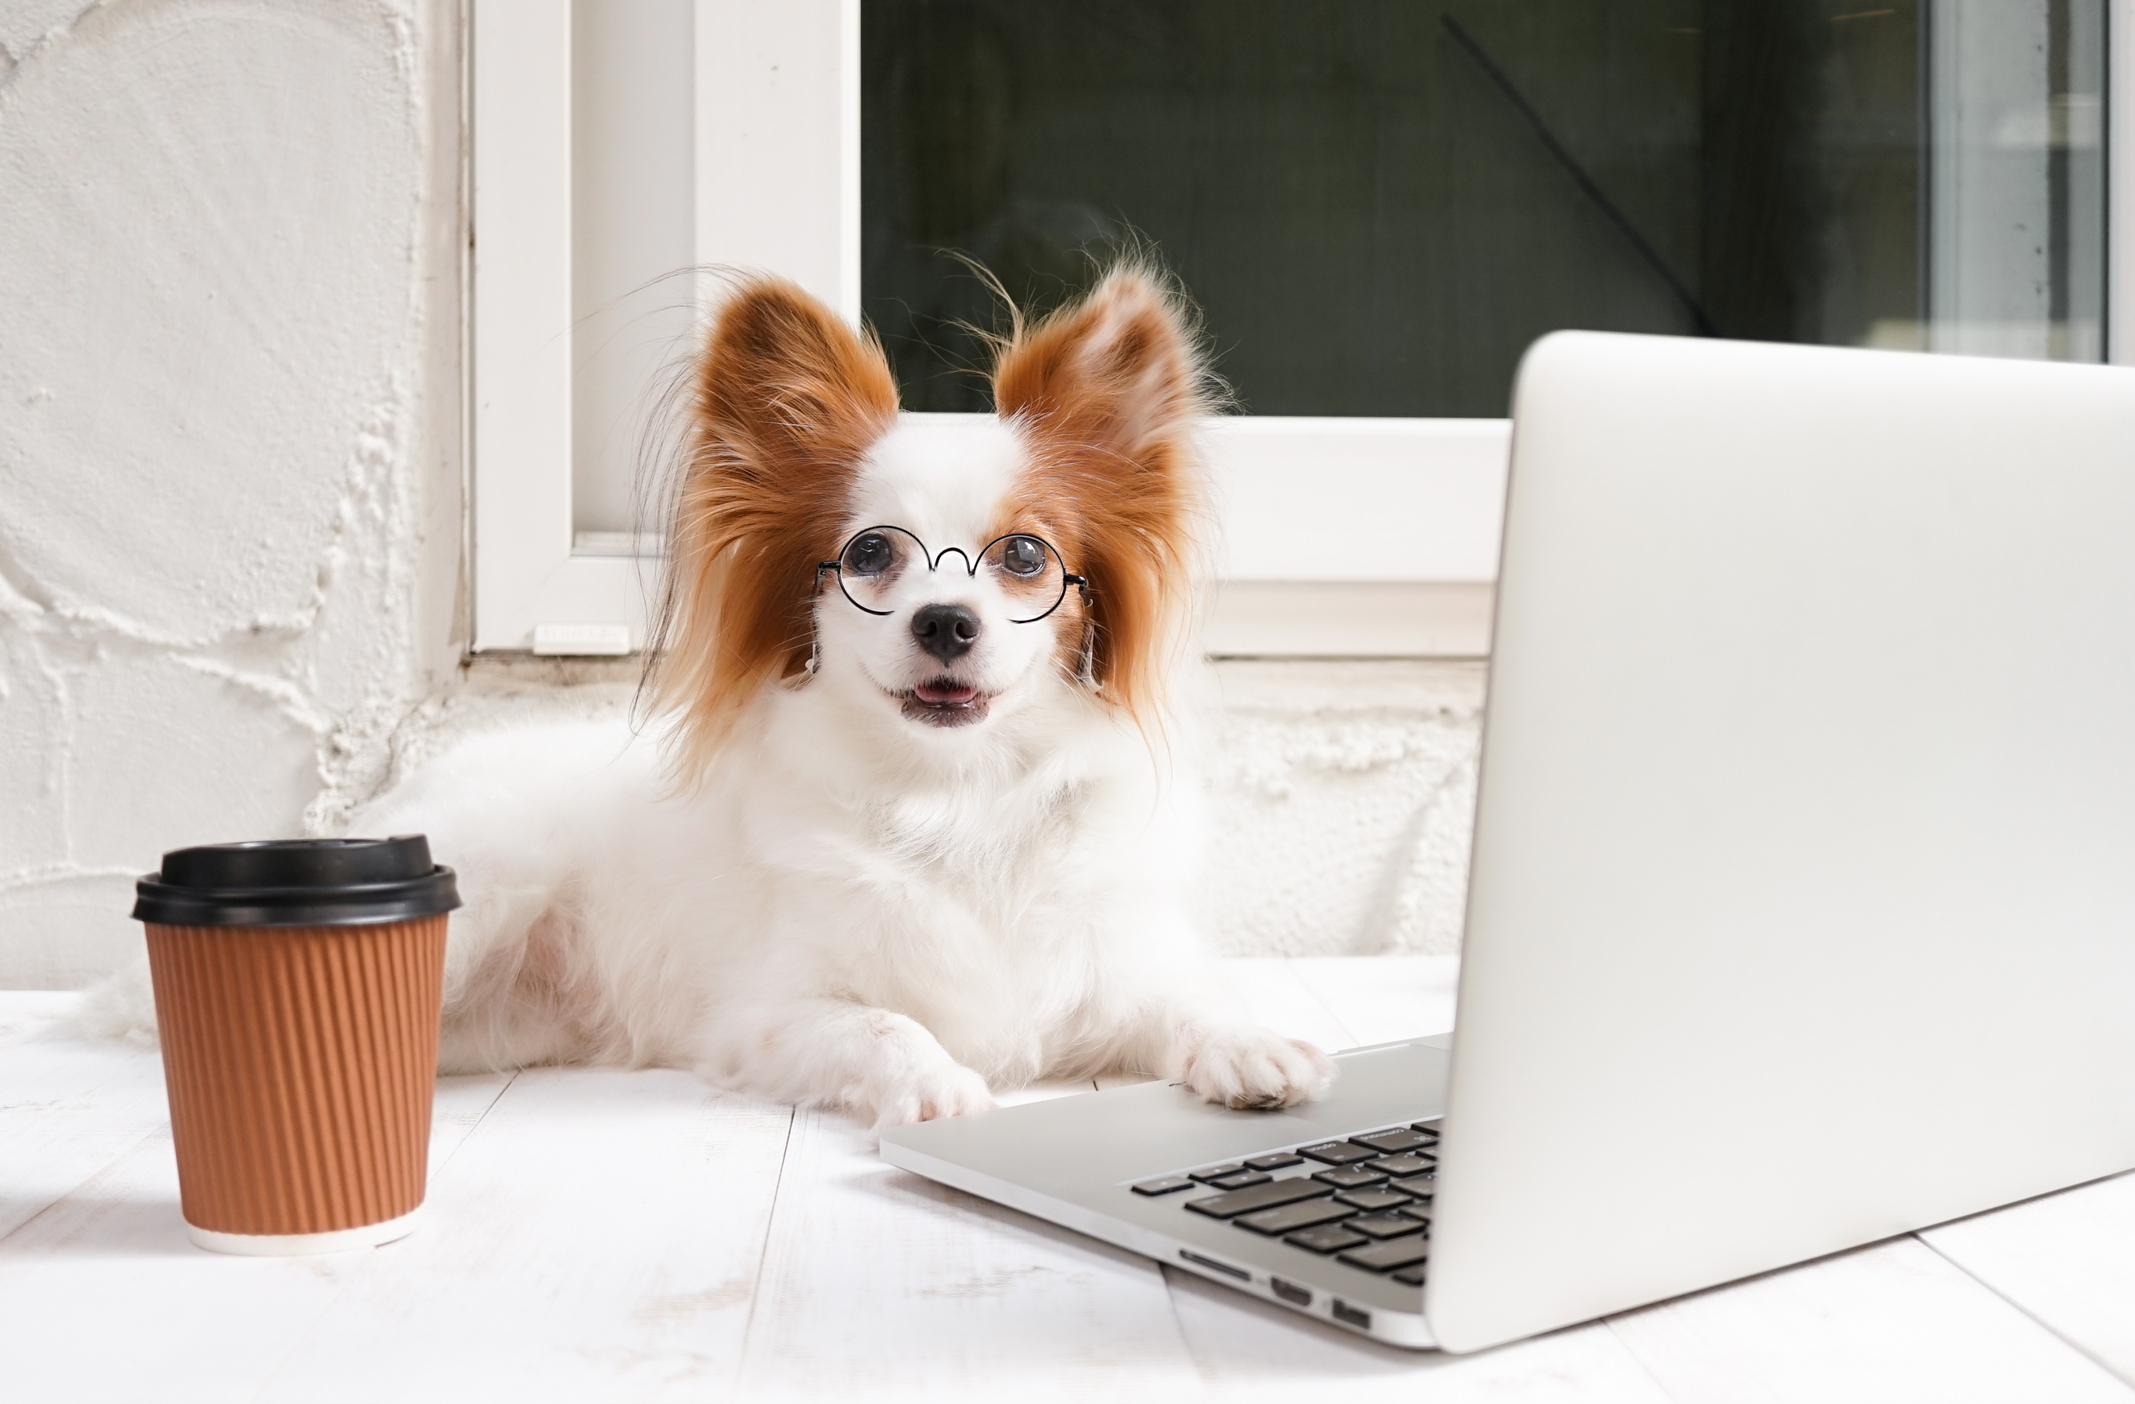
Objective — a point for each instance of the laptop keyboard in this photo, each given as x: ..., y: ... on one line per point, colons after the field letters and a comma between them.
x: 1364, y: 1200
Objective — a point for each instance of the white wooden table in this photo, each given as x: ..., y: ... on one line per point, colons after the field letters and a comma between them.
x: 605, y: 1236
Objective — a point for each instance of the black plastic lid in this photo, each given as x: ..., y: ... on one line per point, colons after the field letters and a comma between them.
x: 297, y: 882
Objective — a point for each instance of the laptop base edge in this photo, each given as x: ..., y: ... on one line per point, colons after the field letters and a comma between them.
x: 1407, y: 1330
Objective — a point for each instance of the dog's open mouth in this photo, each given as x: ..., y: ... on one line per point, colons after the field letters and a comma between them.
x: 945, y: 702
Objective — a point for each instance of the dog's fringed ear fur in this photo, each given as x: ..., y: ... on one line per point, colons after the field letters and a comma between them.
x: 786, y: 400
x: 1107, y: 391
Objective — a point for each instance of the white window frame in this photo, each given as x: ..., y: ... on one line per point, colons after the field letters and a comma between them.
x: 778, y: 188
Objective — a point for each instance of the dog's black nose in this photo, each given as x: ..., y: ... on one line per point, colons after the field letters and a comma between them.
x: 947, y: 631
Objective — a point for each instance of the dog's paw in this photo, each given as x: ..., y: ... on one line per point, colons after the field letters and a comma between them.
x: 950, y: 1090
x: 1244, y: 1066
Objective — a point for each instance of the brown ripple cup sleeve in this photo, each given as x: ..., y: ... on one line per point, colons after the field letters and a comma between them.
x: 298, y: 987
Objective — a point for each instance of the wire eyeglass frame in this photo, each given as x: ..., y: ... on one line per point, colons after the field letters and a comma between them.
x: 934, y: 559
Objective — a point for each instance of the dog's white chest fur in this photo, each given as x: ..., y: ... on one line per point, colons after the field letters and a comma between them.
x: 988, y: 906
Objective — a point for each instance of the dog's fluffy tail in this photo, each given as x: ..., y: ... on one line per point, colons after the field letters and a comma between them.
x: 120, y: 1008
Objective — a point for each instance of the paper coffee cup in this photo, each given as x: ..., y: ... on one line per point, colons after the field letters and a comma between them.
x: 298, y: 987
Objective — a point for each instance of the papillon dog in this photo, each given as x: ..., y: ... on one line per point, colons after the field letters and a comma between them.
x: 914, y: 822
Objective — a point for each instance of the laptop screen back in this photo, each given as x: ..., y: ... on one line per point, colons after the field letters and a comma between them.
x: 1803, y: 903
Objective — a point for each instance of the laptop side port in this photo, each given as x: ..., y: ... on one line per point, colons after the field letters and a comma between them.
x: 1290, y: 1292
x: 1351, y: 1316
x: 1237, y: 1272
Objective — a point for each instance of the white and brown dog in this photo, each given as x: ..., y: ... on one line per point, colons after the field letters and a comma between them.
x: 913, y: 825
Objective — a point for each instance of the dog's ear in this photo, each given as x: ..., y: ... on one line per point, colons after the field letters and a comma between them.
x: 1106, y: 392
x: 789, y: 386
x: 786, y: 401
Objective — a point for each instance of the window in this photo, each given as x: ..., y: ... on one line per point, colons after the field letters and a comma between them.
x: 573, y: 153
x: 1377, y: 204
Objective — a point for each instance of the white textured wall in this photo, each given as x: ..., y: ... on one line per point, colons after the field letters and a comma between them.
x: 230, y: 504
x: 228, y: 417
x: 1344, y: 796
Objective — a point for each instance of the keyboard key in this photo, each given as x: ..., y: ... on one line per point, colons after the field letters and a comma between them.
x: 1385, y: 1226
x: 1399, y: 1165
x: 1240, y: 1180
x: 1279, y: 1161
x: 1393, y: 1142
x: 1384, y: 1257
x: 1337, y: 1152
x: 1170, y: 1184
x: 1413, y: 1276
x: 1373, y: 1201
x: 1429, y: 1128
x: 1286, y: 1218
x: 1327, y: 1238
x: 1215, y: 1172
x: 1244, y: 1201
x: 1350, y: 1177
x: 1421, y: 1186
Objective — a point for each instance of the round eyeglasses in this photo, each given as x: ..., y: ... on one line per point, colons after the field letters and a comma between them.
x: 1027, y: 570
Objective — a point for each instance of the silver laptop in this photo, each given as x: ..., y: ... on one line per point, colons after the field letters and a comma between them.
x: 1802, y: 910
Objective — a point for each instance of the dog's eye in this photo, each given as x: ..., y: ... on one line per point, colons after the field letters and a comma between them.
x: 1023, y: 555
x: 871, y: 554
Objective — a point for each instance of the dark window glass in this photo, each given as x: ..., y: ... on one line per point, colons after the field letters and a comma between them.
x: 1379, y: 204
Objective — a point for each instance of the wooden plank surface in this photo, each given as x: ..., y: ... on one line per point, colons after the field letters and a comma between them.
x: 625, y: 1236
x: 878, y: 1284
x: 1271, y: 993
x: 103, y: 1297
x: 599, y: 1237
x: 2067, y: 1259
x: 1383, y: 998
x: 68, y: 1108
x: 1892, y: 1323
